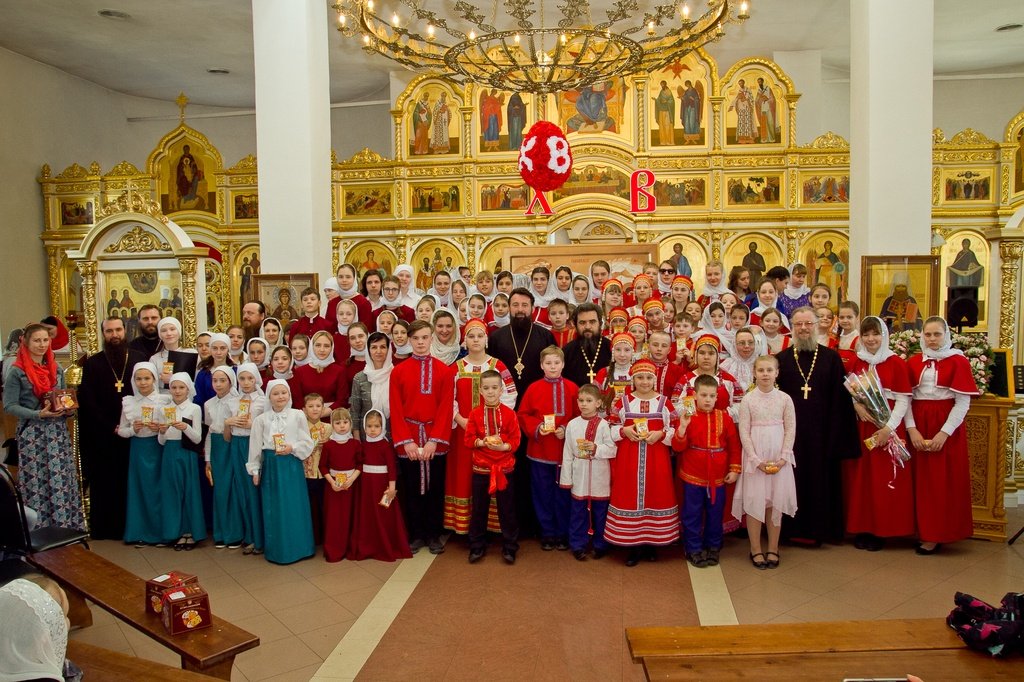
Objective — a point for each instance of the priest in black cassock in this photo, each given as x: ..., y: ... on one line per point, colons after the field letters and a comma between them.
x: 106, y: 378
x: 826, y: 432
x: 589, y: 351
x: 518, y: 345
x: 148, y: 340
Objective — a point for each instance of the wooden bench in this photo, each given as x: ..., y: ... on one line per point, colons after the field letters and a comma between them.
x: 86, y: 575
x: 98, y: 663
x: 857, y: 649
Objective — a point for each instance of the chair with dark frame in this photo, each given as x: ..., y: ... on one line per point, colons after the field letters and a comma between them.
x: 15, y: 536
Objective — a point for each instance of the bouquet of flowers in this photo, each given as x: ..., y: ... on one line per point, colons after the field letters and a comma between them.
x: 975, y: 347
x: 866, y: 391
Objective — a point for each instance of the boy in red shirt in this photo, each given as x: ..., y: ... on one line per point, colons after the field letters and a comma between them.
x: 547, y: 406
x: 493, y: 433
x: 710, y: 460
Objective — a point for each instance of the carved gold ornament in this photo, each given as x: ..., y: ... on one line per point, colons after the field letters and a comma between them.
x: 137, y: 240
x: 131, y: 201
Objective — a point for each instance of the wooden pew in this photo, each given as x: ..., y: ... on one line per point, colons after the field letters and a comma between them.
x: 98, y: 663
x: 925, y: 647
x: 86, y: 575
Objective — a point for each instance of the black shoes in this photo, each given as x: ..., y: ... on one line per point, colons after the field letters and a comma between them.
x: 869, y: 542
x: 580, y: 554
x: 547, y: 544
x: 711, y: 557
x: 759, y: 564
x: 416, y: 545
x: 509, y: 556
x: 772, y: 563
x: 697, y: 559
x: 561, y: 545
x: 475, y: 555
x: 633, y: 557
x: 435, y: 546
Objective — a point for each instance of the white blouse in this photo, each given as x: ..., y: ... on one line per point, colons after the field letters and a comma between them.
x: 158, y: 361
x: 257, y: 405
x: 186, y: 410
x: 131, y: 411
x: 927, y: 390
x: 289, y: 422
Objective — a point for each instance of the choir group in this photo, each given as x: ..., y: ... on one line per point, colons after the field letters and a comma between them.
x: 376, y: 427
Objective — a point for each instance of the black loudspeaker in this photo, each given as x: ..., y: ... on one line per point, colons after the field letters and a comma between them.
x: 962, y: 307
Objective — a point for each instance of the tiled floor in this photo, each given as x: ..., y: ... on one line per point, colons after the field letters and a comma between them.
x: 546, y: 617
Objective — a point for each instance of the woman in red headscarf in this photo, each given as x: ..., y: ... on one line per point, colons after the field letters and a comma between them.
x: 48, y: 478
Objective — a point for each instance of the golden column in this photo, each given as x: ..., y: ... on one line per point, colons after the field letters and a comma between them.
x: 92, y: 325
x: 1010, y: 251
x: 188, y: 267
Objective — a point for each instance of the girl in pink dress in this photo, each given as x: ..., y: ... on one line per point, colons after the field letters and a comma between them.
x: 766, y: 489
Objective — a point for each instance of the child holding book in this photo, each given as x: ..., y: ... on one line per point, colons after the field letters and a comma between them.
x: 767, y: 489
x: 710, y: 460
x: 586, y: 473
x: 340, y: 462
x: 278, y: 443
x: 180, y: 435
x: 547, y: 406
x: 141, y: 416
x: 319, y: 431
x: 379, y: 529
x: 244, y: 407
x: 227, y: 498
x: 492, y: 432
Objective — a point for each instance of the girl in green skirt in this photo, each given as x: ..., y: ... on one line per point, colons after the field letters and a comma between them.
x: 181, y: 435
x: 245, y: 407
x: 278, y: 443
x: 227, y: 495
x: 141, y: 417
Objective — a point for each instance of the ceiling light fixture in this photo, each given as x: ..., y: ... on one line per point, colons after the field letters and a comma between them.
x: 515, y: 45
x: 219, y: 70
x: 1008, y: 27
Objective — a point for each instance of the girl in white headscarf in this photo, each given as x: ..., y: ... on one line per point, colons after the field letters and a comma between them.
x: 244, y: 407
x: 370, y: 386
x: 227, y: 511
x: 713, y: 321
x: 141, y: 417
x: 181, y: 434
x: 943, y: 386
x: 279, y: 442
x: 879, y: 502
x: 220, y: 346
x: 270, y: 330
x: 257, y: 352
x: 169, y: 331
x: 33, y: 632
x: 410, y: 295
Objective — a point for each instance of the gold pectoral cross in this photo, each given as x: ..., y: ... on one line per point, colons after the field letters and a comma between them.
x: 119, y: 385
x: 590, y: 375
x: 519, y: 367
x: 806, y: 389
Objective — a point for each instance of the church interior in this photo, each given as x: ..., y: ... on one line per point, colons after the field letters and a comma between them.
x: 886, y: 128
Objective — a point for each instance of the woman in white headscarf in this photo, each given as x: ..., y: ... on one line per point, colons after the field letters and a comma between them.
x: 169, y: 331
x: 879, y: 496
x: 33, y: 631
x: 370, y: 386
x: 444, y: 343
x: 410, y: 295
x: 943, y: 384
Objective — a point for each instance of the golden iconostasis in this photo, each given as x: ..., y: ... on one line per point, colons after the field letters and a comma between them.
x: 729, y: 183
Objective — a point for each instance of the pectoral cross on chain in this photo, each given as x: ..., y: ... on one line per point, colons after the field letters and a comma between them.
x: 806, y: 389
x: 590, y: 375
x: 119, y: 385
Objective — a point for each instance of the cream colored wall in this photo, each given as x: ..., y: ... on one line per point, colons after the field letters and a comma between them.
x: 49, y: 116
x: 986, y: 105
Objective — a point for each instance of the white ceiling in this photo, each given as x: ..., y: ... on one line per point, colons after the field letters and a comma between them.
x: 166, y: 47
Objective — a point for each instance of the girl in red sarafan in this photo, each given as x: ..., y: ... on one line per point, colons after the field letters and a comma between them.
x: 642, y: 511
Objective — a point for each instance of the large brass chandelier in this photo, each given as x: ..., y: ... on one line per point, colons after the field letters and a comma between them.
x: 529, y: 47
